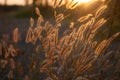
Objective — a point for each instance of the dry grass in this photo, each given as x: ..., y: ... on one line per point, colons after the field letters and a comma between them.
x: 68, y: 57
x: 75, y: 52
x: 15, y: 35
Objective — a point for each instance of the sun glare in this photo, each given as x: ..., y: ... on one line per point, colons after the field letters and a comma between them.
x: 83, y: 1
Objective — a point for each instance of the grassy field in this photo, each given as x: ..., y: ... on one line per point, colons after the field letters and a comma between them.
x: 60, y: 43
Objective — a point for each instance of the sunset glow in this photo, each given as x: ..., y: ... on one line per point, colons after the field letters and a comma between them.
x: 83, y: 1
x: 43, y: 2
x: 15, y: 2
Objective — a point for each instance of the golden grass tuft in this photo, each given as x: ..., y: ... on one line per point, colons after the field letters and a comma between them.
x: 75, y: 52
x: 15, y: 35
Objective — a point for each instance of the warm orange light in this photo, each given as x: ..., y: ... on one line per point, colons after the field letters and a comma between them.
x: 83, y: 1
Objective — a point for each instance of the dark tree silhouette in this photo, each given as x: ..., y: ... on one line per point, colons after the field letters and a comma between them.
x: 46, y: 2
x: 5, y: 2
x: 34, y: 1
x: 26, y: 2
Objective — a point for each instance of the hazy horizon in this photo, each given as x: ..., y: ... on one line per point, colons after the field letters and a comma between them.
x: 15, y: 2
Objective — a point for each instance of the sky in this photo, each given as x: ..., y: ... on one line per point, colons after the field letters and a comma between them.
x: 21, y: 2
x: 15, y: 2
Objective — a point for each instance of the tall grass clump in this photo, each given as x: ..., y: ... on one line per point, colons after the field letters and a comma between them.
x: 72, y: 55
x: 75, y: 54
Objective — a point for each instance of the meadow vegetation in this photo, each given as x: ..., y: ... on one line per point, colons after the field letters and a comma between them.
x: 77, y: 52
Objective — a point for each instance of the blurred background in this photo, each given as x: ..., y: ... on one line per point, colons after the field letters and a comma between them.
x: 16, y: 13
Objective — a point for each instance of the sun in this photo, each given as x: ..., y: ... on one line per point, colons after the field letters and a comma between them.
x: 83, y: 1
